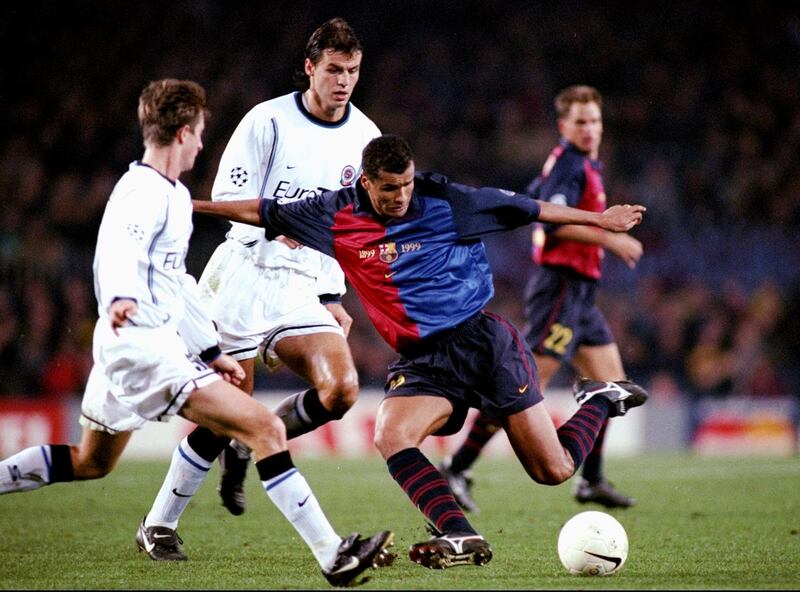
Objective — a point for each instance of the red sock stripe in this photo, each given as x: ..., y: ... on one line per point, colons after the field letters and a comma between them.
x: 426, y: 488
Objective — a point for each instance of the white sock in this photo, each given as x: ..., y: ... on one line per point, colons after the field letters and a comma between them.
x: 26, y: 470
x: 292, y: 495
x: 187, y: 471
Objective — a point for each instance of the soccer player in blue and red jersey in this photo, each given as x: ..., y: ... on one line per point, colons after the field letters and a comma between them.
x: 564, y: 323
x: 410, y: 245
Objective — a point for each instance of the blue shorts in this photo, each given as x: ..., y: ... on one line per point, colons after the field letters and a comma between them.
x: 562, y: 314
x: 483, y: 363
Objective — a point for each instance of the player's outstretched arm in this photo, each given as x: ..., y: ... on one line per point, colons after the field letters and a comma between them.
x: 243, y: 210
x: 615, y: 218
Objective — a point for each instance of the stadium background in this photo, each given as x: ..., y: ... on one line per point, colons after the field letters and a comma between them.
x: 702, y: 126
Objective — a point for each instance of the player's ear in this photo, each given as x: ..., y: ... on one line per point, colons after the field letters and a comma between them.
x: 308, y: 67
x: 182, y: 132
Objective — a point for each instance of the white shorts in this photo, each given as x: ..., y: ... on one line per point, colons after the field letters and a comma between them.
x: 255, y: 307
x: 140, y: 375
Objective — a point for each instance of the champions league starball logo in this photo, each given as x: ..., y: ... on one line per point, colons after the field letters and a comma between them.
x: 348, y: 176
x: 238, y: 176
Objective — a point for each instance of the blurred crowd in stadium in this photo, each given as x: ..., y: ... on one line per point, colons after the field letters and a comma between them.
x: 702, y: 126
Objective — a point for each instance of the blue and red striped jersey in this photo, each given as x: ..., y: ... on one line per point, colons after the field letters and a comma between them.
x: 571, y: 178
x: 417, y: 275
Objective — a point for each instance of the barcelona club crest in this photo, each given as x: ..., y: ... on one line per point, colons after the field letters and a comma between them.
x: 388, y: 252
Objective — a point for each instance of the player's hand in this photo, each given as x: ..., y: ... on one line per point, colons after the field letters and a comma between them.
x: 621, y: 218
x: 625, y: 247
x: 340, y: 314
x: 289, y: 242
x: 229, y: 369
x: 120, y: 311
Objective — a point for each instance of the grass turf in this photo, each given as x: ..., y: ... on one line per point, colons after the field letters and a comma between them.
x: 701, y: 523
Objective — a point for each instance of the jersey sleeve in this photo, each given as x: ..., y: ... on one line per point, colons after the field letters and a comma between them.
x: 564, y: 185
x: 133, y: 218
x: 196, y: 327
x: 246, y: 158
x: 331, y: 278
x: 308, y: 221
x: 487, y: 210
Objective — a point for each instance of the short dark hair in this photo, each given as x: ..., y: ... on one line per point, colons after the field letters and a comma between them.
x: 335, y: 34
x: 386, y: 153
x: 577, y: 93
x: 165, y: 106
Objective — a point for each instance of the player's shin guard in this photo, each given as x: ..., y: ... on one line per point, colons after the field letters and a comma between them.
x: 36, y: 467
x: 303, y: 412
x: 290, y: 492
x: 428, y: 490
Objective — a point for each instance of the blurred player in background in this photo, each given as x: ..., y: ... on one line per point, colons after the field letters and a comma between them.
x: 410, y: 246
x: 564, y: 323
x: 268, y: 296
x: 156, y: 352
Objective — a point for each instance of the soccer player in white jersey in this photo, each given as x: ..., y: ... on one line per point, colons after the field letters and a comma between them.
x: 156, y: 353
x: 271, y: 297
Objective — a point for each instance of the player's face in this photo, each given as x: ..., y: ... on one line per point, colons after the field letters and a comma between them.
x: 390, y: 193
x: 583, y: 126
x: 192, y: 141
x: 331, y: 82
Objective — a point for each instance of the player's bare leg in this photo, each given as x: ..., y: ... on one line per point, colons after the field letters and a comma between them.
x: 227, y: 411
x: 402, y: 424
x: 324, y: 360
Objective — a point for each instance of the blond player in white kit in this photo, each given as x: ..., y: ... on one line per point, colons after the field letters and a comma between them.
x: 156, y: 352
x: 272, y: 298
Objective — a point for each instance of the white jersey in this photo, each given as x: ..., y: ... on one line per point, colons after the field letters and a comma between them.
x: 140, y: 255
x: 280, y: 151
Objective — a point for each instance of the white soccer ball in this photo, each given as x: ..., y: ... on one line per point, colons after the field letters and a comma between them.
x: 593, y: 544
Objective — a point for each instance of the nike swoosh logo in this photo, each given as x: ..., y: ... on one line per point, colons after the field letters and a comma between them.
x: 291, y: 167
x: 615, y: 560
x: 148, y: 546
x: 351, y: 564
x: 522, y: 389
x: 175, y: 491
x: 161, y: 536
x: 388, y: 275
x: 303, y: 503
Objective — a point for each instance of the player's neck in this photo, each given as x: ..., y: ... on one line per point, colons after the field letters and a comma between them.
x: 163, y: 159
x: 313, y: 105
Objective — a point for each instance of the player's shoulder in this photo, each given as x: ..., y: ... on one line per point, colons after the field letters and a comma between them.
x: 360, y: 118
x: 275, y: 106
x: 432, y: 184
x: 145, y: 185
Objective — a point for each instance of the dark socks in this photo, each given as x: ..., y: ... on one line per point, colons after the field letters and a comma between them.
x: 61, y: 464
x: 206, y: 444
x: 479, y: 435
x: 579, y: 433
x: 274, y: 465
x: 303, y: 412
x: 593, y: 465
x: 428, y: 491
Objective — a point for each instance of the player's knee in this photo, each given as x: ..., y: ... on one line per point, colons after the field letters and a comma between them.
x: 551, y: 473
x: 264, y: 430
x: 89, y: 469
x: 390, y: 439
x: 339, y: 393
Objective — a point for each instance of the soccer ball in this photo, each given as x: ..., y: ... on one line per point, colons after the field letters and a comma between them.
x: 593, y: 544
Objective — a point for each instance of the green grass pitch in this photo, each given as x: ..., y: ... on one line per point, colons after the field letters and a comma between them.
x: 701, y: 523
